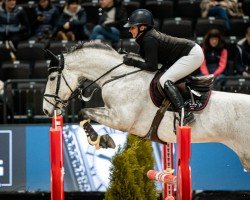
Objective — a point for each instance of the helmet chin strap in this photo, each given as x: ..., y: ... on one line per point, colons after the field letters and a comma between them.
x: 139, y: 31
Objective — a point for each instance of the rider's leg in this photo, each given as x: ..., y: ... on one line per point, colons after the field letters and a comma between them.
x: 180, y: 69
x: 177, y: 101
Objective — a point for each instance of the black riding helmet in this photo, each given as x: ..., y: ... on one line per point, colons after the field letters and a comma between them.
x: 140, y: 17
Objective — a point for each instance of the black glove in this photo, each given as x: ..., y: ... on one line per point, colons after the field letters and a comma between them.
x: 128, y: 60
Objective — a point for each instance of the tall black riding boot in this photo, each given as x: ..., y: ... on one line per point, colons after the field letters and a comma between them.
x: 177, y: 101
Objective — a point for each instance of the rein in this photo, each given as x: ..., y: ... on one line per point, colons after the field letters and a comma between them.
x: 102, y: 76
x: 113, y: 78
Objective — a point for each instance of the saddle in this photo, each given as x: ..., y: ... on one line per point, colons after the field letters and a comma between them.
x: 196, y: 91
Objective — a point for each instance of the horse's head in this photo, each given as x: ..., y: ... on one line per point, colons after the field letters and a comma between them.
x: 96, y: 62
x: 59, y: 86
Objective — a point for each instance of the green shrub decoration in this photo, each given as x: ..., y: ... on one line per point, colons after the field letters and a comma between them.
x: 128, y: 178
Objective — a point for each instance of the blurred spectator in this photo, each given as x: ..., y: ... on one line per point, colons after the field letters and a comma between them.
x: 243, y: 55
x: 222, y: 9
x: 215, y: 61
x: 46, y: 18
x: 1, y: 88
x: 72, y: 22
x: 112, y: 18
x: 14, y: 25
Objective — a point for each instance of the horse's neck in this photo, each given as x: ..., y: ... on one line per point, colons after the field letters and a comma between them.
x: 93, y: 64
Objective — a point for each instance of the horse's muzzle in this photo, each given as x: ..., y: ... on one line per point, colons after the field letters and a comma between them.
x: 51, y: 114
x: 46, y: 112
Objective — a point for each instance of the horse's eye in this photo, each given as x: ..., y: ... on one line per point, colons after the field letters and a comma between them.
x: 52, y: 78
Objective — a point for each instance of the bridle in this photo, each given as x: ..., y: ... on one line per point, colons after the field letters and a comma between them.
x: 57, y: 65
x: 54, y: 67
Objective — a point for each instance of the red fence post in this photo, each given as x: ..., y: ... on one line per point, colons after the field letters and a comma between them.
x: 184, y: 185
x: 56, y: 159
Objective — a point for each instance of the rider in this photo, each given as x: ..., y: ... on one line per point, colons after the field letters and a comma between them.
x: 179, y: 57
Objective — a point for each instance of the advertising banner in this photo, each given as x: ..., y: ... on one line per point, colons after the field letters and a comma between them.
x: 25, y: 161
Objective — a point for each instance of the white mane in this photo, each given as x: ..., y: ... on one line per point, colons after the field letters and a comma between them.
x: 92, y: 54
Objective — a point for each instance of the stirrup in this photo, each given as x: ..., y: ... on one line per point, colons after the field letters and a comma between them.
x: 189, y: 119
x: 186, y: 117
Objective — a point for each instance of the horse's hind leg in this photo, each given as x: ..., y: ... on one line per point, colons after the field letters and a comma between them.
x: 245, y: 162
x: 242, y: 151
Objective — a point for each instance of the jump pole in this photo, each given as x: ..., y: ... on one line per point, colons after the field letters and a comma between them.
x: 184, y: 184
x: 56, y: 158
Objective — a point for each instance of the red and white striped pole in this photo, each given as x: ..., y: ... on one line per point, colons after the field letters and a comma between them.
x: 56, y: 159
x: 168, y: 163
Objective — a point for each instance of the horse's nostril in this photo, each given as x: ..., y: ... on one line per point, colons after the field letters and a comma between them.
x: 45, y: 112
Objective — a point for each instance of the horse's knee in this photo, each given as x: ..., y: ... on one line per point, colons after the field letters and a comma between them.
x: 82, y: 115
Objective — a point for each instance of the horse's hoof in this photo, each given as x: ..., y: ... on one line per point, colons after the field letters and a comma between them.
x: 107, y: 142
x: 82, y: 115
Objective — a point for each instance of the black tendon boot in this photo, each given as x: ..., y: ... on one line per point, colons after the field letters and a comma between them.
x: 177, y: 101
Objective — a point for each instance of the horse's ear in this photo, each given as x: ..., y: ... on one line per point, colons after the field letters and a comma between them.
x: 61, y: 61
x: 49, y: 55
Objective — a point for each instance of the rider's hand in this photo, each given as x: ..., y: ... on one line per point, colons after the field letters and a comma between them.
x: 128, y: 60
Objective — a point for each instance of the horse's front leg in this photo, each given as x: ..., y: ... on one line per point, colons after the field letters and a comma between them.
x: 101, y: 115
x: 96, y: 114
